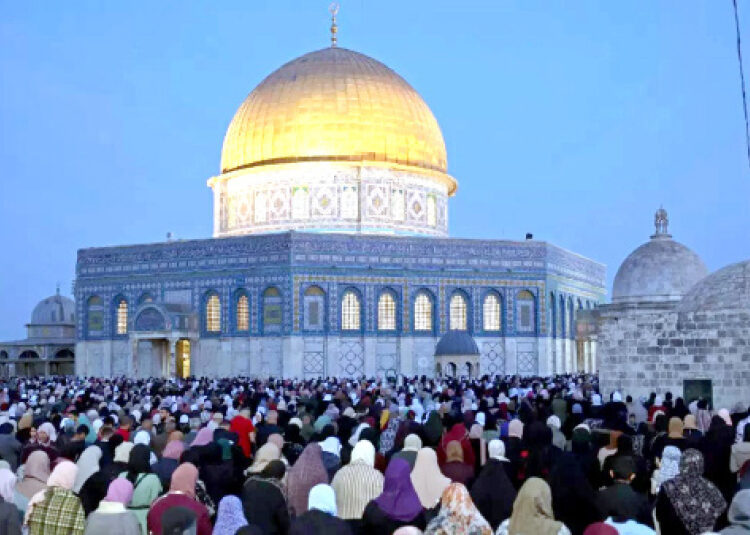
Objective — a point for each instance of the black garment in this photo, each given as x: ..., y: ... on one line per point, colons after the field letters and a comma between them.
x: 622, y: 503
x: 493, y: 493
x: 667, y: 517
x: 513, y: 448
x: 376, y: 522
x: 93, y: 491
x: 264, y: 431
x: 139, y: 462
x: 316, y: 522
x: 10, y: 450
x: 717, y: 449
x: 108, y: 452
x: 264, y: 506
x: 573, y: 497
x: 218, y: 475
x: 10, y: 520
x: 164, y: 468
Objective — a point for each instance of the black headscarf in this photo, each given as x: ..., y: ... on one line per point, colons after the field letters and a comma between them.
x: 493, y: 493
x: 573, y: 497
x: 139, y: 462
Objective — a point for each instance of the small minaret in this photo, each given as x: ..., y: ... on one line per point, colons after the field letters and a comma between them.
x: 661, y: 224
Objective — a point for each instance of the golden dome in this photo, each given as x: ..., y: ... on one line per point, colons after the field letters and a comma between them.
x: 335, y: 105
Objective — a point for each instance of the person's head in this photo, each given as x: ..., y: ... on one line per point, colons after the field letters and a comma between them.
x: 120, y: 490
x: 624, y: 444
x: 125, y: 422
x: 7, y: 485
x: 454, y: 452
x: 184, y: 479
x: 691, y: 463
x: 623, y: 469
x: 81, y: 432
x: 147, y: 424
x: 106, y: 432
x: 322, y: 498
x: 496, y: 449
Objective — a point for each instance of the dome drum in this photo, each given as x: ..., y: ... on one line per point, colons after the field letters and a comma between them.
x: 335, y: 197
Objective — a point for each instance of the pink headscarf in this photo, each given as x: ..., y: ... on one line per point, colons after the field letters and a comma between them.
x: 184, y: 479
x: 120, y: 490
x: 173, y: 450
x: 63, y: 476
x: 204, y: 436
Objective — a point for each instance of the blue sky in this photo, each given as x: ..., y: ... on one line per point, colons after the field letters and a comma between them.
x: 571, y: 120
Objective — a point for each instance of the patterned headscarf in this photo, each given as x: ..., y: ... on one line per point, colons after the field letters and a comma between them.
x: 458, y: 514
x: 697, y: 501
x: 230, y: 517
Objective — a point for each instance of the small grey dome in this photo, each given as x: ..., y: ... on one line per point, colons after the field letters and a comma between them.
x: 727, y: 289
x: 54, y: 310
x: 660, y: 270
x: 456, y: 343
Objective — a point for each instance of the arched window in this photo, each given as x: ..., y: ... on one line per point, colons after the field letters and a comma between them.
x: 491, y: 312
x: 314, y: 309
x: 386, y: 312
x: 243, y: 313
x: 122, y: 316
x: 272, y: 309
x: 95, y: 315
x: 351, y: 312
x: 525, y: 311
x: 457, y: 312
x: 423, y: 312
x: 213, y: 314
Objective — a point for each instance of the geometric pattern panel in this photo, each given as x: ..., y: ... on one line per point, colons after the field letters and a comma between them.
x: 313, y: 358
x: 527, y: 358
x: 388, y: 359
x: 351, y: 358
x: 493, y: 359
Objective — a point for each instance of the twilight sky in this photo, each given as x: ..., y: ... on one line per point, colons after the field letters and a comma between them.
x: 571, y: 120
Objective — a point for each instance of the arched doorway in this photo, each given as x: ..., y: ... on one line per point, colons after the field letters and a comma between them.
x: 29, y: 364
x: 438, y: 370
x: 182, y: 358
x: 468, y: 369
x: 452, y: 369
x: 63, y: 363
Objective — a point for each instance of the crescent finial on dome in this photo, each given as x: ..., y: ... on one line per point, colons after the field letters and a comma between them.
x: 333, y: 9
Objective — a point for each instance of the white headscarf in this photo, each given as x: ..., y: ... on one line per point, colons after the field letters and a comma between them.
x: 331, y: 445
x: 496, y: 449
x: 363, y: 451
x: 88, y: 465
x: 323, y: 498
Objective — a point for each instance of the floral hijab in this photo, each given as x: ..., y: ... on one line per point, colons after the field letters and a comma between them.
x: 458, y: 514
x: 388, y: 437
x: 696, y: 501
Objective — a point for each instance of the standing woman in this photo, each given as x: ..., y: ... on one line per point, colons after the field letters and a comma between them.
x: 146, y: 485
x: 397, y: 506
x: 35, y: 476
x: 10, y: 522
x: 263, y: 500
x: 428, y: 481
x: 307, y: 472
x: 111, y: 517
x: 458, y: 514
x: 230, y: 517
x: 357, y: 483
x: 181, y: 494
x: 689, y: 504
x: 57, y: 509
x: 532, y: 512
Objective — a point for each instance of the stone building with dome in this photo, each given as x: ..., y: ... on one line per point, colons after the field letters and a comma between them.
x: 672, y: 327
x: 330, y: 253
x: 49, y: 346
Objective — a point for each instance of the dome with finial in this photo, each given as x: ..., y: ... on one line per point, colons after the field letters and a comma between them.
x: 661, y: 270
x: 54, y: 310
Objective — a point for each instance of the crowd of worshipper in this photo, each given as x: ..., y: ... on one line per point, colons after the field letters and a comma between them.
x: 496, y: 455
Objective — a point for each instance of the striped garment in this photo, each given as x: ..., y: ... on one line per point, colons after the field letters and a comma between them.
x: 355, y: 485
x: 60, y: 513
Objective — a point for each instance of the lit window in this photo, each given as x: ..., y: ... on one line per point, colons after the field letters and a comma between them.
x: 213, y: 314
x: 491, y: 313
x: 386, y: 312
x: 525, y: 311
x: 95, y: 315
x: 272, y: 309
x: 458, y: 313
x: 314, y: 301
x: 431, y: 211
x: 350, y: 312
x: 423, y: 312
x: 122, y: 317
x: 243, y: 314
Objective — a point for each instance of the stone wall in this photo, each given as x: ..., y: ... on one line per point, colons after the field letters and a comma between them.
x: 644, y: 350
